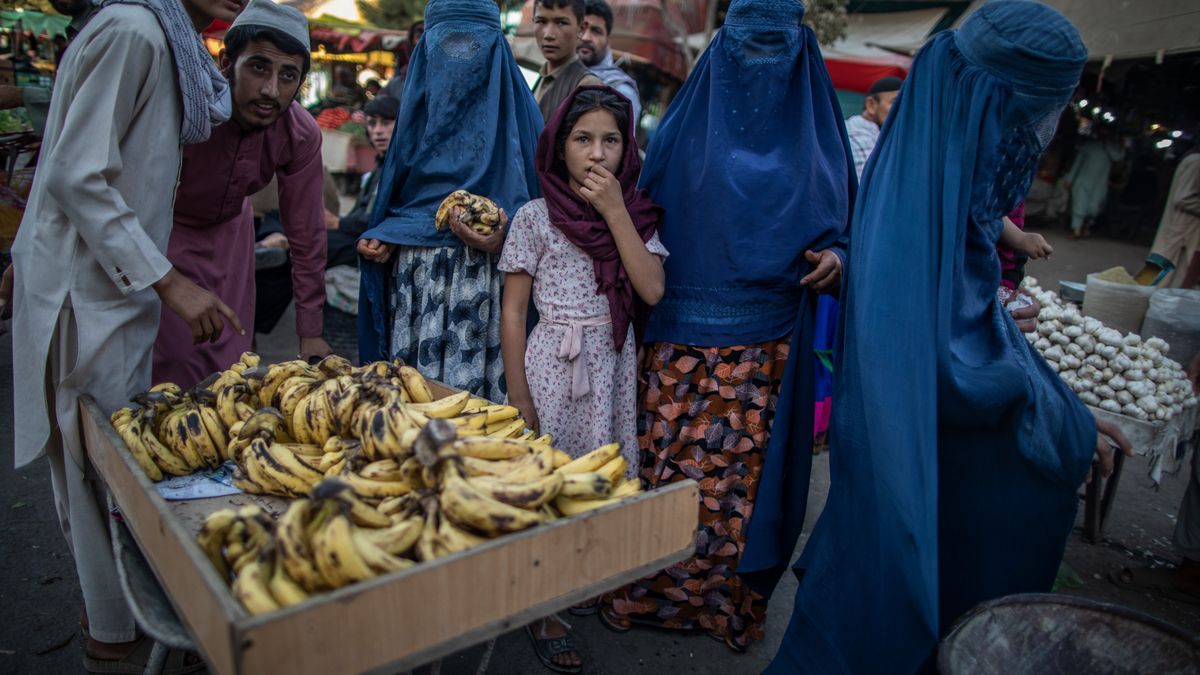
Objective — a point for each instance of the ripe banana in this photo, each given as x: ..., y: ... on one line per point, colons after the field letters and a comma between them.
x: 614, y: 470
x: 377, y: 559
x: 276, y: 375
x: 451, y: 539
x: 382, y: 469
x: 250, y: 587
x: 510, y: 429
x: 336, y: 555
x: 198, y: 435
x: 529, y: 495
x: 375, y: 490
x: 589, y: 485
x: 163, y: 457
x: 216, y: 431
x: 290, y: 395
x: 293, y: 544
x: 212, y: 538
x: 528, y: 467
x: 279, y: 462
x: 174, y: 433
x: 250, y: 359
x: 399, y: 537
x: 284, y: 590
x: 468, y: 507
x: 451, y: 406
x: 561, y: 459
x: 594, y: 459
x: 131, y: 434
x: 491, y: 448
x: 627, y: 488
x: 415, y: 385
x: 361, y: 513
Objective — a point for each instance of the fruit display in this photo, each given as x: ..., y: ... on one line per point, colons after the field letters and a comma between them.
x: 478, y: 213
x: 380, y: 474
x: 1117, y: 373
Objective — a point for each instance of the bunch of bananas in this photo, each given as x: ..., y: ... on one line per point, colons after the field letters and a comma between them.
x: 478, y: 213
x: 459, y: 492
x: 172, y: 432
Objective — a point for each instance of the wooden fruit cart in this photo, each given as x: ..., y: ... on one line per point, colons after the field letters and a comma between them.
x: 399, y: 620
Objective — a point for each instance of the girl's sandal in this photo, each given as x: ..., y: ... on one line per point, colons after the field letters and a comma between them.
x: 617, y: 624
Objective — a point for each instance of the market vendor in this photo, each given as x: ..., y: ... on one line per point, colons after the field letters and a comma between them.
x: 270, y: 135
x: 92, y: 275
x: 957, y: 454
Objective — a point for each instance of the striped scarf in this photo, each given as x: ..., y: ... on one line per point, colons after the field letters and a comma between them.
x: 206, y: 96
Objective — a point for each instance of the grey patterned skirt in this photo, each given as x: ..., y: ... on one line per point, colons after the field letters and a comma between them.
x: 446, y: 317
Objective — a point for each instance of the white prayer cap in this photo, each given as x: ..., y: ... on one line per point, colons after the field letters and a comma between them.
x: 267, y: 14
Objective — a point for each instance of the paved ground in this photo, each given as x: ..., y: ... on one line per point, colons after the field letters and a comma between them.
x: 38, y: 586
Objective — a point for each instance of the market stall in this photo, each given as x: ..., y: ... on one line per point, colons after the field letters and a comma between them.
x: 395, y: 620
x: 1130, y: 379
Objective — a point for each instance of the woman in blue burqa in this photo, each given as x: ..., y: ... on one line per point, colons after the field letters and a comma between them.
x: 956, y: 453
x: 752, y: 167
x: 467, y: 121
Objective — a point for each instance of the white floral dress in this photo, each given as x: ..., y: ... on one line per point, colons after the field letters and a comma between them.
x: 574, y: 321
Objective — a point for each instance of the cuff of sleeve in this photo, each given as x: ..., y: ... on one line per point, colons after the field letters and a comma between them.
x: 144, y: 274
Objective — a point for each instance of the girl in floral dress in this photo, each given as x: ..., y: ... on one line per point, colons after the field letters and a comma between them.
x: 590, y: 253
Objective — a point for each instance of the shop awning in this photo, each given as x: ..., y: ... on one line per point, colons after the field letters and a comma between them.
x: 1119, y: 29
x: 35, y: 22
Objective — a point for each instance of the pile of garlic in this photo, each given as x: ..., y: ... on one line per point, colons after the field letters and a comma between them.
x: 1116, y: 373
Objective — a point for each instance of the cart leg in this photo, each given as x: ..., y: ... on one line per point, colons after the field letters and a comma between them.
x: 1110, y: 491
x: 487, y: 657
x: 1091, y: 510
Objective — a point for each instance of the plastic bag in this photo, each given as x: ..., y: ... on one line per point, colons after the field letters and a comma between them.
x: 1119, y: 306
x: 1174, y: 315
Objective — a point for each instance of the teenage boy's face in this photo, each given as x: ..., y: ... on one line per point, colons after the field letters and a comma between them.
x: 264, y: 81
x: 380, y: 130
x: 594, y: 43
x: 557, y: 32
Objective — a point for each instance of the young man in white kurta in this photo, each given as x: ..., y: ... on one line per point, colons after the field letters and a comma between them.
x: 90, y: 248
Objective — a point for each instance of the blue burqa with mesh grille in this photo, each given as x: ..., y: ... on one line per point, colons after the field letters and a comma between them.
x: 955, y: 452
x: 467, y: 121
x: 752, y: 166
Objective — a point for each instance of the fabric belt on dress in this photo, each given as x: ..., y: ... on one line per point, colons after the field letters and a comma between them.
x: 571, y: 349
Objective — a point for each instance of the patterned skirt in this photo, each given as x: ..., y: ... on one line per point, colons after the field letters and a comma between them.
x: 706, y: 414
x: 446, y: 317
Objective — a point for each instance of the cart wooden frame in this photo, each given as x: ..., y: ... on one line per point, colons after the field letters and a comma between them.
x: 407, y: 618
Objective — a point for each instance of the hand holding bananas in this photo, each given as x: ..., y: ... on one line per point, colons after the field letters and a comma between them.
x: 476, y: 220
x: 459, y: 491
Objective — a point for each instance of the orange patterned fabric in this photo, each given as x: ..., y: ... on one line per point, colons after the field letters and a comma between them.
x: 706, y: 414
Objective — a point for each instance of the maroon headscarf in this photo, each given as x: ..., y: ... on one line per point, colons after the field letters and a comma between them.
x: 584, y: 227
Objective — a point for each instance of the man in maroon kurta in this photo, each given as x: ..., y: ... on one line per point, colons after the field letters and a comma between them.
x: 266, y: 58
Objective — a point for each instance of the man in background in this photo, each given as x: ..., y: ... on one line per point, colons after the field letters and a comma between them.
x: 863, y: 128
x: 558, y: 26
x: 595, y: 53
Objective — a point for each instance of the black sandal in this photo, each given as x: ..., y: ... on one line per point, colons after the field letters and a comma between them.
x: 548, y: 648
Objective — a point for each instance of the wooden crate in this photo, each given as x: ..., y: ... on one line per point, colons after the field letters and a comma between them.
x: 404, y: 619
